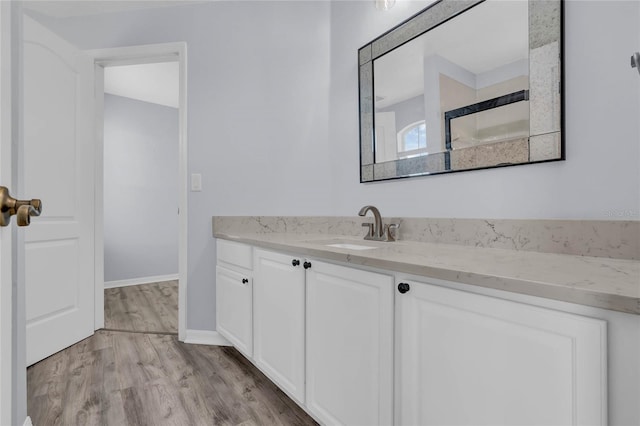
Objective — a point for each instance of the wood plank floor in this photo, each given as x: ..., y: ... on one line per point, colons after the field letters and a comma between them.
x: 137, y: 378
x: 146, y: 307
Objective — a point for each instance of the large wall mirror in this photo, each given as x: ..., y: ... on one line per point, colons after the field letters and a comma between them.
x: 463, y: 85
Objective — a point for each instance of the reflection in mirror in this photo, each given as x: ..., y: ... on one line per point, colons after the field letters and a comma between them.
x: 453, y: 66
x: 456, y: 96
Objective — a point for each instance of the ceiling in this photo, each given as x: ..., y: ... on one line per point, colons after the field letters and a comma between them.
x: 71, y: 8
x: 156, y: 83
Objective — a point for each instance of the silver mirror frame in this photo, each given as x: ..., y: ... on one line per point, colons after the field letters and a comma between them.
x: 546, y: 100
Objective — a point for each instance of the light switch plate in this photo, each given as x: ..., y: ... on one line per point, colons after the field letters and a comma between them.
x: 196, y: 182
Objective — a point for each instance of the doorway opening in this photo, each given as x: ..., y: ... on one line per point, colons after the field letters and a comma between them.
x: 141, y: 184
x: 140, y: 113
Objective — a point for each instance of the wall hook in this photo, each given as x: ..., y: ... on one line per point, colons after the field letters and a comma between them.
x: 635, y: 61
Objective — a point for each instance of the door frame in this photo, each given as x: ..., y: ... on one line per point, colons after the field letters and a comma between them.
x: 135, y: 55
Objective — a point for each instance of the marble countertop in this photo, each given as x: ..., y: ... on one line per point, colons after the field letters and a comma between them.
x: 593, y: 281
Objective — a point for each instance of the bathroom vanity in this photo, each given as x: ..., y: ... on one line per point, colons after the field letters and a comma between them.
x: 368, y: 332
x: 459, y: 322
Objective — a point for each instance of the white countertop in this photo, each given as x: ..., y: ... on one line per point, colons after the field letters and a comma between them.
x: 593, y: 281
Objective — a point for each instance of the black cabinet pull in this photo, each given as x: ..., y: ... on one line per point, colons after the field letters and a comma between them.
x: 295, y: 262
x: 245, y: 280
x: 306, y: 265
x: 403, y: 288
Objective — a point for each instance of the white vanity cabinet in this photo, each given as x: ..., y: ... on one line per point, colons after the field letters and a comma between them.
x: 347, y: 361
x: 279, y: 317
x: 466, y: 359
x: 363, y: 347
x: 234, y: 306
x: 349, y: 345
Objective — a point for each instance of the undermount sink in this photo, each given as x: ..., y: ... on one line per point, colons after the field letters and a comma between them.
x: 350, y: 246
x: 345, y: 244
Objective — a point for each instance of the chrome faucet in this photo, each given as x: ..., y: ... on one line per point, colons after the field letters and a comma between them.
x: 378, y: 231
x: 375, y: 229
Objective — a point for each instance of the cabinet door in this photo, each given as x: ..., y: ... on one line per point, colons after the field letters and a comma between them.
x: 233, y: 308
x: 349, y: 345
x: 279, y: 320
x: 467, y: 359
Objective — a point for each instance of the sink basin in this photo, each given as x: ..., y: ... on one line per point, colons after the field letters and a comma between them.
x: 346, y: 244
x: 350, y: 246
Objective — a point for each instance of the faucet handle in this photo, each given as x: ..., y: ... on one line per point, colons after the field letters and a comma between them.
x: 369, y: 235
x: 391, y: 230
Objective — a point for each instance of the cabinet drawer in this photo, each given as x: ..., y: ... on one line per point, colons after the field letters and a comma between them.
x: 233, y: 253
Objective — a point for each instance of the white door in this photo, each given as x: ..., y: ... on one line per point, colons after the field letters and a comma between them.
x: 349, y: 345
x: 58, y: 167
x: 8, y: 364
x: 467, y: 359
x: 278, y: 327
x: 386, y: 137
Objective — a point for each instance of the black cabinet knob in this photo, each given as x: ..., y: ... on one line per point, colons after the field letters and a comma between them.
x: 245, y: 280
x: 295, y: 262
x: 403, y: 288
x: 306, y: 265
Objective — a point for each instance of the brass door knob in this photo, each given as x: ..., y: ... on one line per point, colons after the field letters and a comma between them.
x: 24, y: 209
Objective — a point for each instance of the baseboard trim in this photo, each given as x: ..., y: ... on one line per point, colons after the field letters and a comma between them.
x: 205, y: 337
x: 27, y: 422
x: 138, y: 281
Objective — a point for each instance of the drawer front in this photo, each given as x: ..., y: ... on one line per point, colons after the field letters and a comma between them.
x: 233, y: 253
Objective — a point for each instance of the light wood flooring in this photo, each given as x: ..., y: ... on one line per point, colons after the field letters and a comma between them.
x: 137, y: 378
x: 146, y: 307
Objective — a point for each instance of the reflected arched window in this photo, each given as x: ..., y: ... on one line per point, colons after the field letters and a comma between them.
x: 412, y: 140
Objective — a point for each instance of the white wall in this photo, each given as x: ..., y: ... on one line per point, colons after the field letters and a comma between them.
x: 602, y: 171
x: 258, y: 99
x: 140, y: 189
x: 273, y: 119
